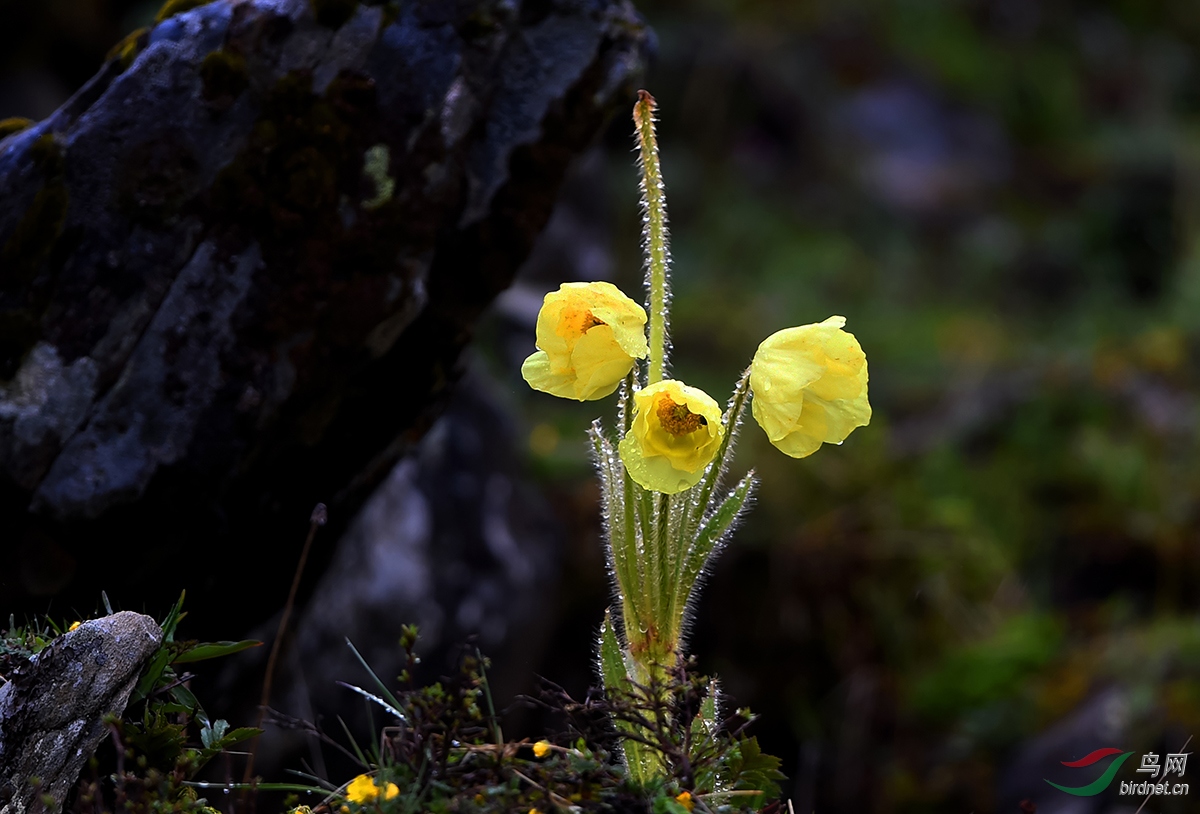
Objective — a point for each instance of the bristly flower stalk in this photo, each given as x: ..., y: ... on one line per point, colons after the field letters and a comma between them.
x: 654, y: 233
x: 667, y: 512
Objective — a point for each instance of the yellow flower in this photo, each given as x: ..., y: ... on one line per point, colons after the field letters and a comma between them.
x: 676, y: 432
x: 684, y: 798
x: 588, y: 335
x: 810, y: 386
x: 541, y: 748
x: 362, y: 789
x: 74, y: 626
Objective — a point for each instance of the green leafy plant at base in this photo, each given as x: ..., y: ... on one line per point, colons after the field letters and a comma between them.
x: 445, y: 750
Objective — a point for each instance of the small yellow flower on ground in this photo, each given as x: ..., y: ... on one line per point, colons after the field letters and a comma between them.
x: 362, y: 789
x: 588, y: 336
x: 541, y: 748
x: 684, y: 798
x: 810, y: 386
x: 74, y: 626
x: 676, y: 432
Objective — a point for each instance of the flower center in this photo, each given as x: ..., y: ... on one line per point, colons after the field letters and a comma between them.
x: 677, y: 419
x: 575, y: 322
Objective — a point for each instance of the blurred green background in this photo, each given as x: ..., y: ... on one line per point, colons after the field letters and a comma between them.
x: 1002, y: 197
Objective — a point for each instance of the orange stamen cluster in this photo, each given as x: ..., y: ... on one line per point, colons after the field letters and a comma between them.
x: 677, y: 419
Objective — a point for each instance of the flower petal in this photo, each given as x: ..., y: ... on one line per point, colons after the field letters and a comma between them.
x: 362, y: 789
x: 810, y: 386
x: 675, y: 433
x: 588, y: 335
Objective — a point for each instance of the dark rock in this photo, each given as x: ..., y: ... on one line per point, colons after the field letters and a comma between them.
x: 236, y: 273
x: 52, y: 711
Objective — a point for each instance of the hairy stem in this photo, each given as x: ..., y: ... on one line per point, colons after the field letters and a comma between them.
x: 654, y: 233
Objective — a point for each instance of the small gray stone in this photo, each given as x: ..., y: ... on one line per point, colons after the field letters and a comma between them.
x: 52, y: 711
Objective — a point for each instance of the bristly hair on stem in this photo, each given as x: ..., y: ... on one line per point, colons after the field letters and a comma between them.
x: 654, y: 234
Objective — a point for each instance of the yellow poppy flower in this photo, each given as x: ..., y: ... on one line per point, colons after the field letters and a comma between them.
x: 541, y: 748
x: 588, y: 335
x: 810, y: 386
x: 675, y: 433
x: 684, y: 798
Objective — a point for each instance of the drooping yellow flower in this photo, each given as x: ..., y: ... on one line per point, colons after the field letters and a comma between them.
x: 588, y: 336
x: 810, y: 386
x: 684, y: 798
x: 541, y: 748
x: 675, y: 433
x: 362, y: 789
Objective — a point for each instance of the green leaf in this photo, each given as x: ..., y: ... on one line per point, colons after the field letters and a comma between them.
x: 213, y: 650
x: 616, y: 526
x: 211, y: 736
x: 711, y: 533
x: 705, y: 725
x: 638, y: 761
x: 701, y: 494
x: 160, y: 740
x: 383, y: 690
x: 151, y: 675
x: 665, y: 557
x: 612, y: 660
x: 235, y: 736
x: 186, y: 698
x: 172, y: 619
x: 358, y: 753
x: 751, y: 769
x: 650, y: 565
